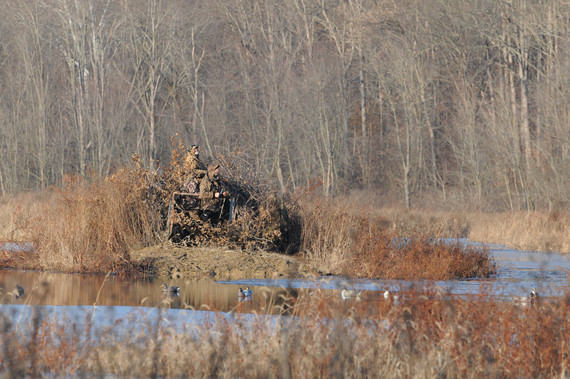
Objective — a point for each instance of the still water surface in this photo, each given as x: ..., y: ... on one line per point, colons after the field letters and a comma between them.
x: 517, y: 273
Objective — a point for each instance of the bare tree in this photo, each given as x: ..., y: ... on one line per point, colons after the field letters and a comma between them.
x: 151, y: 43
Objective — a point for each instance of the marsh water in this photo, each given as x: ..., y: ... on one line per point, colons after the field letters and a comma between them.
x: 517, y: 273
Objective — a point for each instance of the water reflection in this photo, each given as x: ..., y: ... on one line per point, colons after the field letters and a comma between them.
x: 71, y: 289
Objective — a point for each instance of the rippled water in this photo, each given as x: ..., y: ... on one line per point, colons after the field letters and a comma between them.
x: 518, y: 272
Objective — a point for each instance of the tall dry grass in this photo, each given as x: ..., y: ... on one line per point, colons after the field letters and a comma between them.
x: 346, y: 238
x: 425, y: 335
x: 542, y: 231
x: 537, y: 230
x: 16, y: 209
x: 91, y: 225
x: 418, y: 257
x: 329, y: 232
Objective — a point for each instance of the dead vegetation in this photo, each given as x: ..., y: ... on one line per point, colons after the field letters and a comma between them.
x: 541, y: 231
x: 264, y: 220
x: 358, y: 241
x: 426, y: 334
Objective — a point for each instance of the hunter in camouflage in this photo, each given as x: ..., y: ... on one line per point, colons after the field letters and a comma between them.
x: 212, y: 193
x: 195, y: 168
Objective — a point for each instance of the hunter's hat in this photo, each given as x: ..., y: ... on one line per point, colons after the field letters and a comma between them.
x: 212, y: 168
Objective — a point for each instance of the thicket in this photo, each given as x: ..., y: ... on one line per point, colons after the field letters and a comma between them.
x: 361, y: 241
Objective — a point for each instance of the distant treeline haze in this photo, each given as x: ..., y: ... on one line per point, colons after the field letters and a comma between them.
x: 421, y: 101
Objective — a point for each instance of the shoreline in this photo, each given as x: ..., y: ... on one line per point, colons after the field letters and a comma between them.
x: 169, y: 261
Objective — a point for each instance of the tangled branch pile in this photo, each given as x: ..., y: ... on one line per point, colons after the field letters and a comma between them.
x: 263, y: 219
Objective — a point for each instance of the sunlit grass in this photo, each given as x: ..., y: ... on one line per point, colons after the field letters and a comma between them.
x: 16, y: 210
x: 91, y: 227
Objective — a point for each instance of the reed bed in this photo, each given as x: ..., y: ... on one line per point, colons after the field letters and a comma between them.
x: 91, y: 224
x: 424, y: 334
x: 533, y: 230
x: 16, y: 210
x: 390, y: 257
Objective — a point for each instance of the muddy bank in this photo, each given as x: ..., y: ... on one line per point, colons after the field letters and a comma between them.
x: 169, y: 261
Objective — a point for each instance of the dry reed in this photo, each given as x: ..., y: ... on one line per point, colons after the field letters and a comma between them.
x: 426, y: 334
x: 543, y: 231
x: 16, y: 210
x: 90, y: 226
x: 357, y: 241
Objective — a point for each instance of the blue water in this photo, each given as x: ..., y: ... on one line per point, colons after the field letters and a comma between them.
x: 138, y: 307
x: 131, y: 319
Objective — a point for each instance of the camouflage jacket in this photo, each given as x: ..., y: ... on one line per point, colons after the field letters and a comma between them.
x: 196, y: 168
x: 196, y: 171
x: 208, y: 188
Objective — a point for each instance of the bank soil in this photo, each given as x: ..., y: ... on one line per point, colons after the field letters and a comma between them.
x: 170, y: 261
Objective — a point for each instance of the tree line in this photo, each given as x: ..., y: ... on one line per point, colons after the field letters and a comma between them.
x: 417, y: 100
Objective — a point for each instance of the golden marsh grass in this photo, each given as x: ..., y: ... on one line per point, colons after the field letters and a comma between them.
x: 424, y: 335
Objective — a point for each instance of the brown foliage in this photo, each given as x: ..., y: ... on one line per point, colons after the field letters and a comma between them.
x: 544, y: 231
x: 382, y: 255
x: 90, y: 226
x: 358, y: 241
x: 264, y: 219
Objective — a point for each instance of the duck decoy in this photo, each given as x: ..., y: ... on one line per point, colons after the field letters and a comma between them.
x: 248, y: 292
x: 18, y: 291
x: 521, y: 301
x: 348, y: 294
x: 533, y: 295
x: 174, y: 290
x: 525, y: 301
x: 390, y: 296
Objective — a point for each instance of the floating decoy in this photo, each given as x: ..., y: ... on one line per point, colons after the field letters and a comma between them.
x: 521, y: 301
x: 533, y: 295
x: 390, y: 296
x: 248, y: 292
x: 18, y: 291
x: 174, y: 290
x: 348, y: 294
x: 525, y: 301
